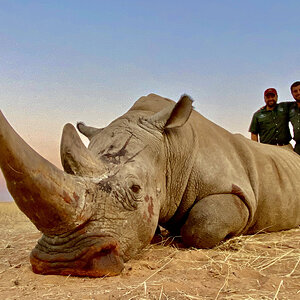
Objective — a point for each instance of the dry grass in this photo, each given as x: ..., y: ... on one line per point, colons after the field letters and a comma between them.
x: 262, y: 266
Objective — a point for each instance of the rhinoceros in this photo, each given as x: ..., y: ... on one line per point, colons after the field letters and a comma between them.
x: 159, y: 163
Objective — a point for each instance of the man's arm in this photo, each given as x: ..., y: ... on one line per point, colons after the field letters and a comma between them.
x: 254, y: 137
x: 254, y: 127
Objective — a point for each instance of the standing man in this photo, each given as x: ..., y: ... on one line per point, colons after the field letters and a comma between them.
x: 270, y: 124
x: 295, y: 114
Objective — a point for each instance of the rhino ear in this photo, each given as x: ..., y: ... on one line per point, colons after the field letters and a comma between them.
x: 88, y: 131
x: 180, y: 113
x: 174, y: 115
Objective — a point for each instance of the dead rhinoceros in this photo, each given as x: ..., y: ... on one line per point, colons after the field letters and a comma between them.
x: 159, y: 163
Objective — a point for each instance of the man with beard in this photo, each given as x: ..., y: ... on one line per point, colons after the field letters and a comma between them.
x: 270, y: 124
x: 295, y: 114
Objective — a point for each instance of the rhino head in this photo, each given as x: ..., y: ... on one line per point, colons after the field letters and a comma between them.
x: 105, y: 206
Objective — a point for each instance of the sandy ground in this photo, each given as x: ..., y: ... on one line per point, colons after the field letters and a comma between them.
x: 264, y: 266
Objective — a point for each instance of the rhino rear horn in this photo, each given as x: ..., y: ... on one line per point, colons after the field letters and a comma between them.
x: 75, y: 157
x: 52, y: 199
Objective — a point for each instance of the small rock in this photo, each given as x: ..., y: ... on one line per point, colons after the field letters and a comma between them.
x: 16, y: 282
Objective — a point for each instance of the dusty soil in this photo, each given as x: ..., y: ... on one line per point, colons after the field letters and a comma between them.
x: 263, y: 266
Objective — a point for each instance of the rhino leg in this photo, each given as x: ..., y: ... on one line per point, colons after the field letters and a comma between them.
x: 213, y: 219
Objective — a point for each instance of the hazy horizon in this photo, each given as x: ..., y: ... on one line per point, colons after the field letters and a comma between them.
x: 67, y: 61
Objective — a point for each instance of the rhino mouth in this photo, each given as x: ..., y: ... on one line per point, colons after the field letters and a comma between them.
x: 88, y: 255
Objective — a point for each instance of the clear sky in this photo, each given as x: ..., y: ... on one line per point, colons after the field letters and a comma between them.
x: 65, y: 61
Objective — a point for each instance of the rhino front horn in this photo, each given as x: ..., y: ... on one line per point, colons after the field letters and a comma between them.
x: 52, y: 199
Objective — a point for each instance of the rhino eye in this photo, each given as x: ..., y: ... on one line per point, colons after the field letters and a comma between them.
x: 135, y: 188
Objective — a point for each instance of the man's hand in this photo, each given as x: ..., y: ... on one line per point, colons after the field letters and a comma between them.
x: 254, y: 137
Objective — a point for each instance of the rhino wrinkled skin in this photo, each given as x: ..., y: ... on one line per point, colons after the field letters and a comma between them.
x: 160, y: 163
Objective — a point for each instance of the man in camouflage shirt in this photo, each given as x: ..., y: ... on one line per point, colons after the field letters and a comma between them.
x: 270, y: 124
x: 295, y: 114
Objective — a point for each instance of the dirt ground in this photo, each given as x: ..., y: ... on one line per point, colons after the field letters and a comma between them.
x: 263, y: 266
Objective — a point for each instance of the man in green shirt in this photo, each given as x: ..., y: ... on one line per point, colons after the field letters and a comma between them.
x: 270, y: 124
x: 295, y: 114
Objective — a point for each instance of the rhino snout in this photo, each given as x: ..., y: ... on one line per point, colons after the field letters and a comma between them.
x: 100, y: 258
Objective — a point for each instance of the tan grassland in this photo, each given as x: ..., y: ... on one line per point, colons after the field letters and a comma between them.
x: 263, y: 266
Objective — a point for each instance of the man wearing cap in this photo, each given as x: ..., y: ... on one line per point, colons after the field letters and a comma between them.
x: 295, y: 114
x: 270, y: 124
